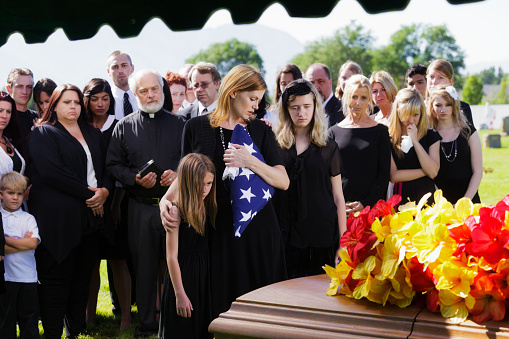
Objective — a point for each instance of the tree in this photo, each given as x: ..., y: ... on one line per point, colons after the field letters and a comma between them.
x: 229, y: 54
x: 352, y: 42
x: 488, y: 76
x: 502, y: 96
x: 472, y: 91
x: 419, y: 44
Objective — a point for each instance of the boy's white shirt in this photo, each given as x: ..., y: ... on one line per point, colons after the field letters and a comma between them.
x: 20, y: 266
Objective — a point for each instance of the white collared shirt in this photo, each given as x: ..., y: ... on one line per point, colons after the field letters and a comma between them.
x: 20, y: 266
x: 186, y: 104
x: 209, y: 108
x: 118, y: 94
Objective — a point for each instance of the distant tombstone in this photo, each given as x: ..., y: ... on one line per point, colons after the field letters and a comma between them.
x: 492, y: 141
x: 505, y: 126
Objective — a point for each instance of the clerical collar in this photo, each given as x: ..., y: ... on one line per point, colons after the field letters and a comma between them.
x: 151, y: 115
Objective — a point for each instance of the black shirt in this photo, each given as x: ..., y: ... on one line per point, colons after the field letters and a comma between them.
x: 136, y: 140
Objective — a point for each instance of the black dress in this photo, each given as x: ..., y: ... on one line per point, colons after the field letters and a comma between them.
x: 193, y: 258
x: 366, y: 162
x: 455, y: 174
x: 307, y: 213
x: 415, y: 189
x: 256, y: 259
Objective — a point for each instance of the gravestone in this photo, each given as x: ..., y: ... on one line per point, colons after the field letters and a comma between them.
x: 492, y: 141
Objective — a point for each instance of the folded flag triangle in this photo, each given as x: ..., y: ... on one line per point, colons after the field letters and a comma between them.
x: 248, y: 192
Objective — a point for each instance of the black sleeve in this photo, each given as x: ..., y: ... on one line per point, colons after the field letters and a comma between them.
x: 465, y: 108
x: 2, y: 238
x: 116, y: 158
x: 335, y: 159
x: 187, y: 139
x: 379, y: 188
x: 270, y: 148
x: 45, y: 148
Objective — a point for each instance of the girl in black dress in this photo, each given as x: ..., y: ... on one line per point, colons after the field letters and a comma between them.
x: 461, y: 151
x: 312, y: 213
x: 100, y: 113
x: 415, y: 148
x: 237, y: 264
x: 185, y: 308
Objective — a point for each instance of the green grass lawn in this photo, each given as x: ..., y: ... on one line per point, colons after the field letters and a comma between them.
x: 495, y: 182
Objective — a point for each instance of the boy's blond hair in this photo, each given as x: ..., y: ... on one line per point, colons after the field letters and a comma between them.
x: 13, y: 181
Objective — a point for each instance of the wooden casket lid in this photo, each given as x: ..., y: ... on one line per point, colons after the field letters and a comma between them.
x: 299, y: 308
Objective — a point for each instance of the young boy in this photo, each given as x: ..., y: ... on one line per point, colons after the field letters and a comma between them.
x: 20, y: 302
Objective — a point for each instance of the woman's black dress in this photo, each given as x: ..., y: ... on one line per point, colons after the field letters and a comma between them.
x: 193, y: 258
x: 366, y: 162
x: 307, y: 213
x: 455, y: 174
x: 415, y: 189
x: 256, y: 259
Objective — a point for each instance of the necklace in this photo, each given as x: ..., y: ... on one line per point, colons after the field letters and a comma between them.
x: 221, y: 134
x: 8, y: 147
x: 454, y: 146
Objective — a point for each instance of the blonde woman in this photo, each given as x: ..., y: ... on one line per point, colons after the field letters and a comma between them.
x: 364, y: 146
x: 384, y: 93
x: 311, y: 212
x: 415, y: 148
x: 460, y: 149
x: 440, y: 72
x: 238, y: 265
x: 348, y: 69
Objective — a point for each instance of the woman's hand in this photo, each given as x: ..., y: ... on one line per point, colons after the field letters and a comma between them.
x: 99, y: 198
x: 353, y: 207
x: 411, y: 130
x: 184, y: 306
x: 238, y: 157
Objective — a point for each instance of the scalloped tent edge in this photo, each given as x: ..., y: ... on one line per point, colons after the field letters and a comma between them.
x: 38, y: 20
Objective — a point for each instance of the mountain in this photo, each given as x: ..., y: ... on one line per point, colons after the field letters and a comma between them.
x: 156, y: 47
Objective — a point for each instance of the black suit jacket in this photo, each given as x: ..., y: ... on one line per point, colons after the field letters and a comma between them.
x: 59, y: 185
x: 190, y: 112
x: 334, y: 110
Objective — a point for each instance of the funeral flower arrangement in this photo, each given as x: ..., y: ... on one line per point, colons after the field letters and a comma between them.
x: 452, y: 259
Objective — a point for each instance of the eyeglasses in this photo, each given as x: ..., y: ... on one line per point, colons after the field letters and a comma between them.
x: 203, y: 85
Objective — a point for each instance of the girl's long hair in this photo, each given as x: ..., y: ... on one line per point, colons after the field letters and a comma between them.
x: 408, y: 102
x: 194, y: 209
x: 457, y: 115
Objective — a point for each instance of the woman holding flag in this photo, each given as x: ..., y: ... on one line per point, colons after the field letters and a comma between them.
x: 241, y: 259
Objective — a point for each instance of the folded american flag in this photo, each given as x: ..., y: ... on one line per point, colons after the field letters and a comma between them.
x: 248, y: 192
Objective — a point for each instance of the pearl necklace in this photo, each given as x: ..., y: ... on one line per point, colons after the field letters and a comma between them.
x: 450, y: 157
x: 221, y: 134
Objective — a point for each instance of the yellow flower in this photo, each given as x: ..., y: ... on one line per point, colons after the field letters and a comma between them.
x: 393, y: 253
x: 379, y: 290
x: 401, y: 293
x: 365, y: 272
x: 339, y: 274
x: 455, y: 277
x: 382, y: 228
x: 454, y: 307
x: 401, y: 222
x: 335, y: 279
x: 434, y: 243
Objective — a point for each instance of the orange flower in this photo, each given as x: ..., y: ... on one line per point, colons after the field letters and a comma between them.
x: 489, y: 300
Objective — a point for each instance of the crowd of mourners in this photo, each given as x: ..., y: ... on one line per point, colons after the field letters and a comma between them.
x: 133, y: 173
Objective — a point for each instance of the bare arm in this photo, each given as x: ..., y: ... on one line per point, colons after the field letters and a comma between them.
x: 183, y: 304
x: 404, y: 175
x: 430, y: 163
x: 170, y: 215
x: 24, y: 244
x: 339, y: 200
x: 273, y: 175
x: 476, y: 160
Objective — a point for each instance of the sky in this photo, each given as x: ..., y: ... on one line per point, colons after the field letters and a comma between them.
x: 479, y: 29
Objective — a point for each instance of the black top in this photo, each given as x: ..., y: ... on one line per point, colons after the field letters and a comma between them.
x: 59, y: 185
x: 366, y: 162
x: 455, y: 174
x: 17, y: 164
x: 26, y: 124
x: 136, y: 140
x: 107, y: 133
x: 334, y: 110
x: 256, y: 259
x: 306, y: 211
x: 415, y: 189
x: 465, y: 108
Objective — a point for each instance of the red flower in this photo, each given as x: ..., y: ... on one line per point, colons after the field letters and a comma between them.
x: 358, y: 238
x: 423, y: 281
x: 463, y: 235
x: 489, y: 300
x: 383, y: 208
x: 489, y: 238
